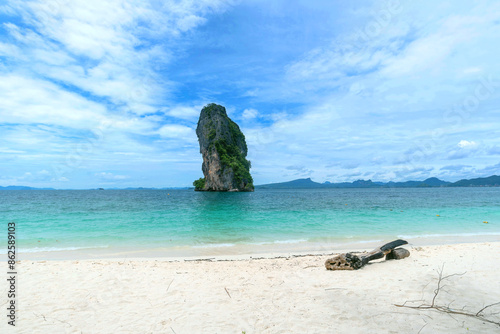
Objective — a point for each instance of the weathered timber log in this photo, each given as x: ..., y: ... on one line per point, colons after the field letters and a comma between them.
x: 397, y: 254
x: 353, y: 261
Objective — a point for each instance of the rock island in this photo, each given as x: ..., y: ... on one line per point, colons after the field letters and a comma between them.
x: 224, y: 151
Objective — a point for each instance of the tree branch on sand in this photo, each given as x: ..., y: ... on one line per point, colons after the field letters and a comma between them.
x: 447, y: 309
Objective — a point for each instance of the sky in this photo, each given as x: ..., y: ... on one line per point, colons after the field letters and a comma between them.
x: 108, y: 93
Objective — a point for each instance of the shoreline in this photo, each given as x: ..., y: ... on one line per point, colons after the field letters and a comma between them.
x: 247, y: 251
x: 268, y: 295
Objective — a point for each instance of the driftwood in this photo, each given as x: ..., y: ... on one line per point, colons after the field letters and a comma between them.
x: 397, y: 254
x: 352, y: 261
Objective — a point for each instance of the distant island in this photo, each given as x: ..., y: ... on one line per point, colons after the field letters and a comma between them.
x: 129, y: 188
x: 23, y: 188
x: 491, y: 181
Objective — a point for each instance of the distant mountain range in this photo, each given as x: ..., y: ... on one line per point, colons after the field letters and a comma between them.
x: 492, y: 181
x: 23, y: 188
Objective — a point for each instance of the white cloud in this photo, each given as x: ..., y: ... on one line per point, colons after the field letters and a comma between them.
x: 467, y: 144
x: 39, y: 176
x: 413, y: 60
x: 109, y: 49
x: 423, y: 54
x: 184, y: 112
x: 250, y: 114
x: 9, y: 50
x: 111, y: 177
x: 465, y: 149
x: 176, y: 131
x: 47, y: 103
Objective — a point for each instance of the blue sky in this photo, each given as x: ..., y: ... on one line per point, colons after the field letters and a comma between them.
x: 108, y: 93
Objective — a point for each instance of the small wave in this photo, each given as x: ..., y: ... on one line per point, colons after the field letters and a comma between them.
x: 366, y: 241
x: 51, y: 249
x: 214, y: 245
x: 289, y: 241
x: 437, y: 235
x: 293, y: 241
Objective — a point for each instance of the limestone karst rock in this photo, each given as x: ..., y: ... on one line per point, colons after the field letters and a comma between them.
x: 224, y: 151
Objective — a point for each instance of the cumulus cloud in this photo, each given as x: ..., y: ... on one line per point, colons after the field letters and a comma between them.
x: 42, y: 175
x: 465, y: 149
x: 176, y: 131
x: 184, y: 112
x: 48, y: 104
x: 467, y: 144
x: 249, y: 114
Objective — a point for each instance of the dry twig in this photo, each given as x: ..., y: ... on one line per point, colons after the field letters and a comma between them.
x: 170, y: 284
x: 447, y: 309
x: 228, y: 293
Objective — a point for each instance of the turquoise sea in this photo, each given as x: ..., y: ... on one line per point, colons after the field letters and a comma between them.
x: 173, y: 221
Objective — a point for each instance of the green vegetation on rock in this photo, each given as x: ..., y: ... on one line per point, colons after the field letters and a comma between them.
x: 210, y: 109
x: 199, y: 184
x: 231, y: 156
x: 212, y: 134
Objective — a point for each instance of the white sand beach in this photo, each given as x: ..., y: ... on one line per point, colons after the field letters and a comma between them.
x: 274, y: 295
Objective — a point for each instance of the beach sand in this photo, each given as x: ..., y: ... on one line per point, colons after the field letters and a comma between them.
x: 273, y: 295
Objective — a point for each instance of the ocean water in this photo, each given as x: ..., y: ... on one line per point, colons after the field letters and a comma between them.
x: 170, y: 220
